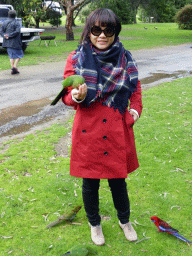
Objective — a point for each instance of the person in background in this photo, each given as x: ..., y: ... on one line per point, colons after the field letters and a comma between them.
x: 103, y: 145
x: 10, y: 31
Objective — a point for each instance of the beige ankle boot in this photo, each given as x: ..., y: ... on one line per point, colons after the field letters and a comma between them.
x: 129, y: 231
x: 97, y: 235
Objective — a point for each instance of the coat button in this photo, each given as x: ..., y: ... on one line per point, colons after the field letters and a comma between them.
x: 104, y: 120
x: 104, y: 137
x: 84, y: 131
x: 106, y: 153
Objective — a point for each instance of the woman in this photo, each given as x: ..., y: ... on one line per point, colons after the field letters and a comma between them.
x: 10, y: 31
x: 103, y: 144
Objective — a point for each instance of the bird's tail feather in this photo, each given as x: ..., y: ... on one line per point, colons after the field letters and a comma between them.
x: 54, y: 223
x: 181, y: 237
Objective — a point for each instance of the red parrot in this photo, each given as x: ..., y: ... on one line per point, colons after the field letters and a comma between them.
x: 165, y: 227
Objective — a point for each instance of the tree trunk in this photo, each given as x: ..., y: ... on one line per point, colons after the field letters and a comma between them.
x: 68, y: 25
x: 69, y: 33
x: 69, y: 9
x: 37, y: 23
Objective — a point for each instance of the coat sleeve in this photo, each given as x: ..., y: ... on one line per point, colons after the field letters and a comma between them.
x: 2, y: 30
x: 69, y: 70
x: 136, y: 99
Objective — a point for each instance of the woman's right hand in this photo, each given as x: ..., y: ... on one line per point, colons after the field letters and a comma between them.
x: 81, y: 92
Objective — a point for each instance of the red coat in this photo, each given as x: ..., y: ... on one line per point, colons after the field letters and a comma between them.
x: 103, y: 145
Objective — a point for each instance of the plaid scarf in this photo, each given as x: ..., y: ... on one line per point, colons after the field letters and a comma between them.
x: 111, y: 76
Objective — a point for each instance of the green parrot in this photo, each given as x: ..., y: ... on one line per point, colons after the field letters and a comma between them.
x: 66, y: 217
x: 80, y: 250
x: 74, y: 81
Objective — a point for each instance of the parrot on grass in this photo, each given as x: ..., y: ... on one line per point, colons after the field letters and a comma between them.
x: 69, y: 216
x: 80, y: 250
x: 165, y: 227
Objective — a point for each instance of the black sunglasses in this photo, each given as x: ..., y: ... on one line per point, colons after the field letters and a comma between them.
x: 108, y: 31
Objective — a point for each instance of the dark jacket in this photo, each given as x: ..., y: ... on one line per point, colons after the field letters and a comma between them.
x: 11, y: 27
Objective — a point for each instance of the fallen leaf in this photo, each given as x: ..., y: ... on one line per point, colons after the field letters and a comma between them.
x: 2, y: 214
x: 137, y: 223
x: 177, y: 170
x: 177, y: 206
x: 105, y: 217
x: 142, y: 239
x: 45, y: 215
x: 6, y: 237
x: 75, y: 223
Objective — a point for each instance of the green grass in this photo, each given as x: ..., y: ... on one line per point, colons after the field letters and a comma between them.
x: 134, y: 37
x: 166, y: 34
x: 35, y: 184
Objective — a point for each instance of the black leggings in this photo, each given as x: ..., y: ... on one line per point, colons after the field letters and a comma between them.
x: 118, y: 189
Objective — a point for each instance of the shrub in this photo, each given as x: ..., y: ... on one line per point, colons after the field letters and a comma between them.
x: 54, y: 17
x: 184, y: 17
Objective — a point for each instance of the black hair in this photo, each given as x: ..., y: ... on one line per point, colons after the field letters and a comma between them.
x: 104, y: 18
x: 12, y: 14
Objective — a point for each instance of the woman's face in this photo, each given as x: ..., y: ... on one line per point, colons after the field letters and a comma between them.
x: 101, y: 42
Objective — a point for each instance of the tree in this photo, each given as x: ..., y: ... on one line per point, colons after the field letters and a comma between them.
x: 184, y: 17
x: 134, y: 7
x: 17, y: 5
x: 69, y: 10
x: 33, y: 10
x: 53, y: 17
x: 126, y: 10
x: 161, y: 10
x: 181, y: 3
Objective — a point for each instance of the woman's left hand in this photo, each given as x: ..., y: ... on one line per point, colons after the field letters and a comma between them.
x: 134, y: 115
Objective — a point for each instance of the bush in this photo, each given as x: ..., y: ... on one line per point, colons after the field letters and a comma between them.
x: 53, y: 17
x: 84, y: 13
x: 184, y: 17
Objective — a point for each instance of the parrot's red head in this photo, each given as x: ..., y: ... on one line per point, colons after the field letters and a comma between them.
x: 155, y: 219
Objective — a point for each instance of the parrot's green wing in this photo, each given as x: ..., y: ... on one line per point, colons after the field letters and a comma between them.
x: 78, y: 250
x: 74, y: 81
x: 68, y: 216
x: 81, y: 250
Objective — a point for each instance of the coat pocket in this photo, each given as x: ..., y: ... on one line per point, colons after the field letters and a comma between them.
x: 129, y: 119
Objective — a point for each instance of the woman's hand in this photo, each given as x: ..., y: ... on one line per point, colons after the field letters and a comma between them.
x: 134, y: 115
x: 81, y: 92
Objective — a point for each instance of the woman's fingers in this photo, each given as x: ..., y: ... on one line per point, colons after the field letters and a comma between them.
x: 81, y: 93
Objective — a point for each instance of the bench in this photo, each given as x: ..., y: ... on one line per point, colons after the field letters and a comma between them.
x: 47, y: 38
